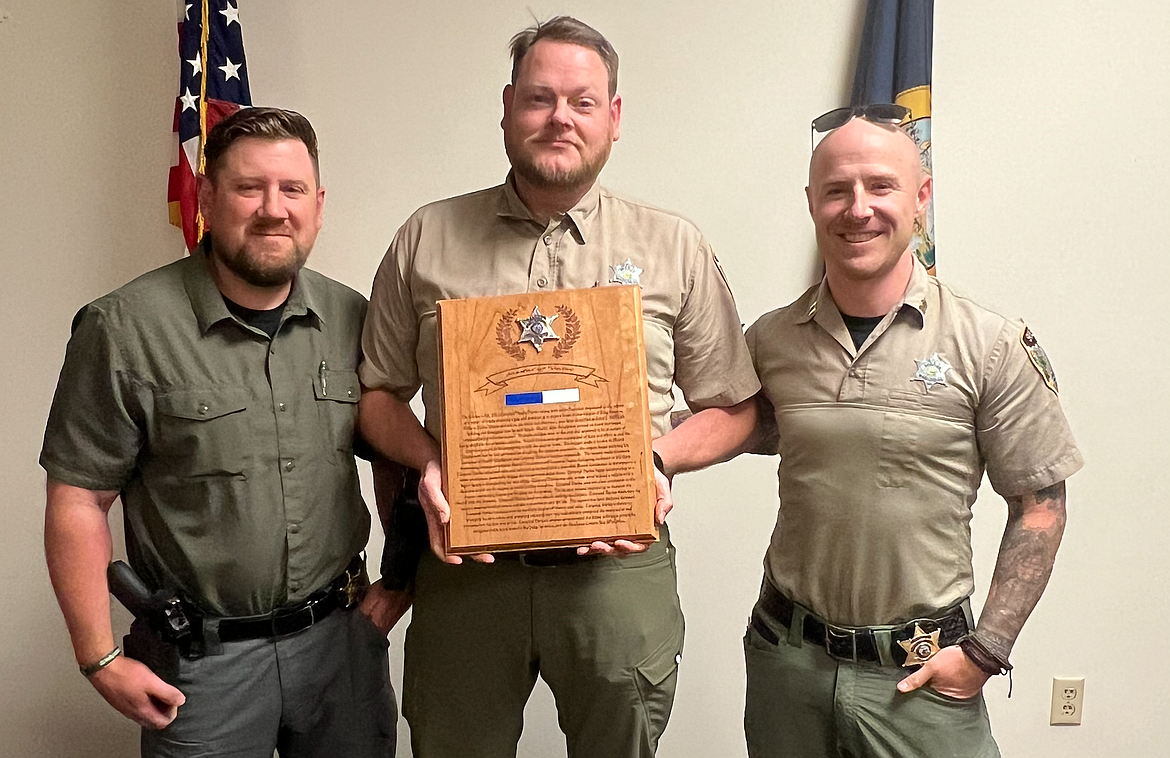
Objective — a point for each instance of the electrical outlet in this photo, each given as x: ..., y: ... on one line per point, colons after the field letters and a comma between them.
x: 1068, y: 698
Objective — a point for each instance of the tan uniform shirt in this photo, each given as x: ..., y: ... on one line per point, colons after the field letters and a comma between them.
x: 878, y: 471
x: 487, y: 243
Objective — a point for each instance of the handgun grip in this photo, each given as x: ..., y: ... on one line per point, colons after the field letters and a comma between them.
x: 130, y: 590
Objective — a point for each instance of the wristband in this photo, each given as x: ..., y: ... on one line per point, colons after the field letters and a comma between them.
x: 89, y: 669
x: 658, y: 464
x: 983, y: 658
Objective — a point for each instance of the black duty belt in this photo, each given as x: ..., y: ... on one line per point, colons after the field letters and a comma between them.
x: 343, y: 592
x: 557, y: 556
x: 855, y: 643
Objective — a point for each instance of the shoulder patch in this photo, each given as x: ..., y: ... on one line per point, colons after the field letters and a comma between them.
x: 1039, y: 359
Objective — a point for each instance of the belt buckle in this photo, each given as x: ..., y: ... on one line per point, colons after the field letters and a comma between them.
x: 922, y: 646
x: 836, y: 634
x: 354, y: 588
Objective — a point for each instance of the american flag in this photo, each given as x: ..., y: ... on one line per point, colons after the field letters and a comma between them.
x: 213, y: 83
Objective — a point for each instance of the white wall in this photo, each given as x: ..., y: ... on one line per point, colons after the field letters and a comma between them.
x: 1051, y: 185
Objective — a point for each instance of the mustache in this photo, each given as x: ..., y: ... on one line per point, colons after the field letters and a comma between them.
x: 269, y: 226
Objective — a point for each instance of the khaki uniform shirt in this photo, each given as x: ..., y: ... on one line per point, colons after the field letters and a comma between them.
x: 487, y: 243
x: 877, y: 471
x: 233, y: 454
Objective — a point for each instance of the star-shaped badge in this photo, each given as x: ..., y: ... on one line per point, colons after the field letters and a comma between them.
x: 921, y: 647
x: 625, y: 273
x: 932, y: 371
x: 536, y: 329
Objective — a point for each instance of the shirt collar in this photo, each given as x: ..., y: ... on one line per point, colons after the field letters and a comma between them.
x: 917, y: 292
x: 207, y: 301
x: 580, y: 217
x: 913, y: 300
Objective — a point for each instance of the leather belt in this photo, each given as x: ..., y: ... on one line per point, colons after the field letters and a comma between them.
x: 557, y: 556
x: 854, y: 643
x: 343, y: 592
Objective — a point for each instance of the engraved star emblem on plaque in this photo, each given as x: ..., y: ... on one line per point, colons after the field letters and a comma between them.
x: 536, y: 329
x: 625, y: 273
x: 921, y: 647
x: 932, y: 371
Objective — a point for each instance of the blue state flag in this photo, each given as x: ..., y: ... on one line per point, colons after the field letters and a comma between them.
x: 893, y: 66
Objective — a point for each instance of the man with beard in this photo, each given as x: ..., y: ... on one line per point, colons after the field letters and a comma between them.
x: 887, y: 395
x: 600, y: 624
x: 217, y: 396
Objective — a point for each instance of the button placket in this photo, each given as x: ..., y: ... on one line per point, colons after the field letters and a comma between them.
x: 540, y: 274
x: 853, y: 383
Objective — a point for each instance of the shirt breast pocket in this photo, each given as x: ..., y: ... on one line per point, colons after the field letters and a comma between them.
x: 337, y: 394
x: 923, y: 432
x: 202, y: 433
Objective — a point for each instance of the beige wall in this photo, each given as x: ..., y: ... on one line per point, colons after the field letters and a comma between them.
x: 1051, y: 177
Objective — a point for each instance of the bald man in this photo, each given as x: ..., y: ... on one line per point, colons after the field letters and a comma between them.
x: 886, y: 396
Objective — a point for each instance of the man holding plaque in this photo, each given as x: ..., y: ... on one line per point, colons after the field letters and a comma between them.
x: 600, y: 623
x: 887, y: 396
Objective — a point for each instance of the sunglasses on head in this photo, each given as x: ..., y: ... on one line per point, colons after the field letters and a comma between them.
x: 876, y: 113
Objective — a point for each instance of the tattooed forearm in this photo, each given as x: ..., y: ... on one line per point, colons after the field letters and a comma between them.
x: 1026, y: 554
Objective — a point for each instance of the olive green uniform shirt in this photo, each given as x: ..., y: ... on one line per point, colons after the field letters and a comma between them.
x: 878, y: 471
x: 487, y: 243
x: 233, y: 454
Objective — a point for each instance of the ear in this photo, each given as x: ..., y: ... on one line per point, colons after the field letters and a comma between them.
x: 205, y: 192
x: 509, y: 95
x: 320, y: 205
x: 925, y: 192
x: 809, y: 199
x: 615, y: 113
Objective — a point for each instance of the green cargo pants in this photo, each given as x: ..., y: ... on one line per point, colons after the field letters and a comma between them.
x: 803, y: 703
x: 605, y: 634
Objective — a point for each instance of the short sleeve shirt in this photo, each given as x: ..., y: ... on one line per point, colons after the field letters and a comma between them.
x: 487, y: 243
x: 882, y: 448
x: 233, y: 454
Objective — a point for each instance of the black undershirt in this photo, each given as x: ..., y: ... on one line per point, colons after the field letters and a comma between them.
x: 860, y: 327
x: 266, y: 321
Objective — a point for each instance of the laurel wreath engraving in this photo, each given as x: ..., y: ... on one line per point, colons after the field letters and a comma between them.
x: 504, y: 335
x: 572, y: 331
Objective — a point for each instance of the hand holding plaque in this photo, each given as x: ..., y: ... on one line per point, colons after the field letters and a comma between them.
x: 545, y: 421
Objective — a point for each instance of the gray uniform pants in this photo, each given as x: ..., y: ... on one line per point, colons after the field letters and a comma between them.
x: 322, y: 692
x: 606, y: 635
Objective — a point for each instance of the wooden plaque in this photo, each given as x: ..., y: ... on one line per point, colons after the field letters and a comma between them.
x: 546, y: 424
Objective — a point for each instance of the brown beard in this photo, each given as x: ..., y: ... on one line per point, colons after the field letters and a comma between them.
x: 538, y: 176
x: 250, y: 269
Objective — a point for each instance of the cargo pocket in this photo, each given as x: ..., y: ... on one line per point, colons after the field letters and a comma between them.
x: 202, y: 432
x: 656, y: 679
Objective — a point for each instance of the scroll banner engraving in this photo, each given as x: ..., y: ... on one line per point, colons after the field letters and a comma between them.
x: 546, y: 425
x: 500, y: 379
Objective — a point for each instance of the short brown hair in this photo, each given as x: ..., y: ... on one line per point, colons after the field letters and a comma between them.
x: 566, y: 29
x: 262, y: 123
